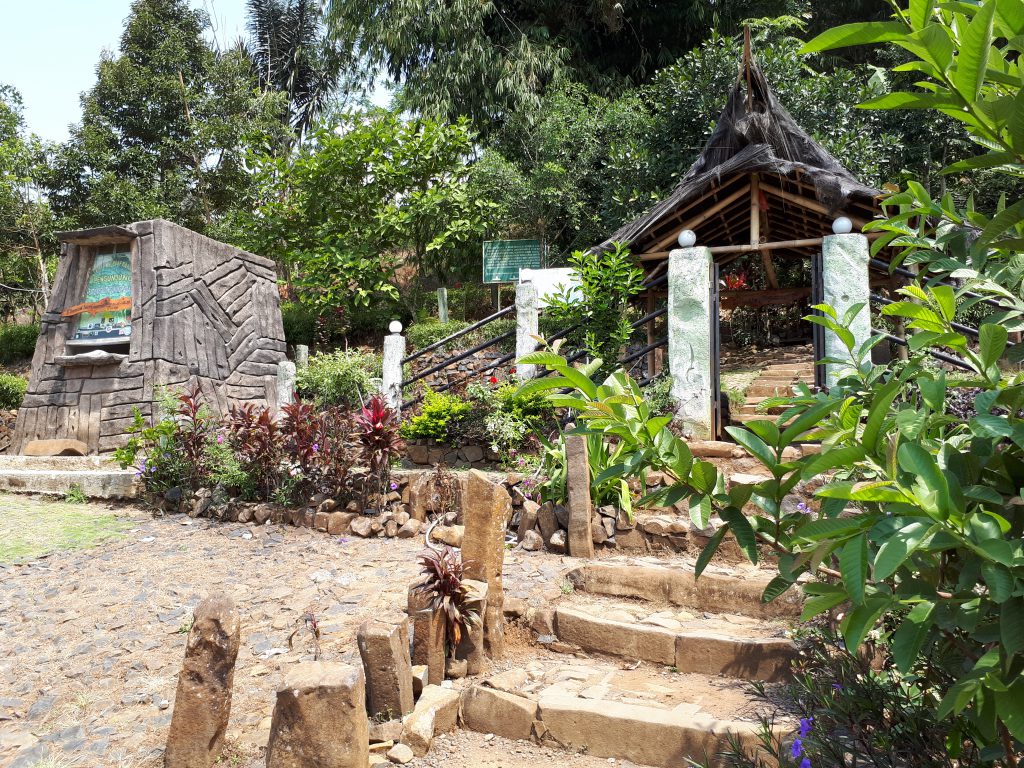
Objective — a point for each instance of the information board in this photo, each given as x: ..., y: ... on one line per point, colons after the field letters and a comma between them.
x: 504, y: 258
x: 105, y: 315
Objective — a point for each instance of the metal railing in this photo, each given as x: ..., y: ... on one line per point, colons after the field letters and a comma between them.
x: 458, y: 334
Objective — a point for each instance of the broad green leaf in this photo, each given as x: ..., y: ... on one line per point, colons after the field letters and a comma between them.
x: 991, y: 343
x: 741, y: 529
x: 776, y: 587
x: 920, y: 12
x: 709, y: 551
x: 1010, y: 706
x: 700, y: 511
x: 862, y: 619
x: 972, y: 59
x: 876, y: 415
x: 917, y: 461
x: 1001, y: 222
x: 999, y: 580
x: 754, y: 444
x: 866, y: 33
x: 908, y: 639
x: 853, y: 565
x: 815, y: 605
x: 1011, y: 625
x: 846, y: 456
x: 834, y: 528
x: 898, y: 547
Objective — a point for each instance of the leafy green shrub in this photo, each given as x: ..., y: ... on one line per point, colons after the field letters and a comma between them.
x: 299, y: 323
x: 432, y: 330
x: 659, y: 395
x: 438, y: 418
x: 339, y: 378
x: 18, y: 342
x: 12, y: 391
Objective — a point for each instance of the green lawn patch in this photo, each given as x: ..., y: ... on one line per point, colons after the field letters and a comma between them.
x: 30, y: 528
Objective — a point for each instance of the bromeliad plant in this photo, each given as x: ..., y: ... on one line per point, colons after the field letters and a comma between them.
x: 443, y: 585
x: 919, y: 532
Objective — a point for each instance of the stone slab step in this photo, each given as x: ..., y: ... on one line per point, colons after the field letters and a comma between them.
x: 729, y: 592
x: 97, y: 476
x: 714, y: 650
x: 641, y: 714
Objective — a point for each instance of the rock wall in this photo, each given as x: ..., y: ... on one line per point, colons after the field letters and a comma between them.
x: 455, y: 373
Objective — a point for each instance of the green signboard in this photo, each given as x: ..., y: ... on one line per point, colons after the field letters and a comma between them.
x: 504, y: 258
x: 105, y: 315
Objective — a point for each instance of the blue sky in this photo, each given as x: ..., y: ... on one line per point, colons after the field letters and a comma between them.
x: 49, y: 50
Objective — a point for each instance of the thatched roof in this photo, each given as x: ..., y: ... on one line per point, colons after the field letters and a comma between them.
x: 754, y: 135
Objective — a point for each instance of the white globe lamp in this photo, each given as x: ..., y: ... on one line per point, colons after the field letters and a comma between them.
x: 687, y: 238
x: 842, y: 226
x: 395, y: 326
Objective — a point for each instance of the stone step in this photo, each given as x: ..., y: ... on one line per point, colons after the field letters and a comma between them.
x: 642, y: 714
x: 733, y: 590
x: 97, y: 476
x: 734, y: 646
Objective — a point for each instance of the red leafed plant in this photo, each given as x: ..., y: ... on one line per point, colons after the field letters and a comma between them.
x: 377, y: 431
x: 443, y: 585
x: 316, y: 441
x: 736, y: 281
x: 257, y: 441
x: 195, y: 428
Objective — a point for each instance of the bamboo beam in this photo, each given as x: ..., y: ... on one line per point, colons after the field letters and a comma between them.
x: 813, y: 205
x: 755, y: 230
x: 700, y: 219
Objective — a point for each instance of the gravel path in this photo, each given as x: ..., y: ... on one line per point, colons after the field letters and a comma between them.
x: 91, y: 640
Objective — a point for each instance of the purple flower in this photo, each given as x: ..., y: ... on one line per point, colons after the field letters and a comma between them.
x: 316, y: 447
x: 394, y: 486
x: 836, y: 687
x: 805, y: 763
x: 220, y: 438
x: 806, y: 723
x: 803, y: 508
x: 798, y: 749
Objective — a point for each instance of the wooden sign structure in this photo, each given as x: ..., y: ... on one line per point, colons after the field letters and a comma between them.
x: 197, y: 311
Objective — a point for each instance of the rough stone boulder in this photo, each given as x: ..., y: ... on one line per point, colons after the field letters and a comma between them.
x: 202, y: 703
x: 320, y: 718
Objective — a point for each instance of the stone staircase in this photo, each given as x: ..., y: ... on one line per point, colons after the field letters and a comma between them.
x: 98, y: 477
x: 645, y: 664
x: 776, y: 380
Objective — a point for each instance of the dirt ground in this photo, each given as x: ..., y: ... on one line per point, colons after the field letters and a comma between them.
x: 91, y: 639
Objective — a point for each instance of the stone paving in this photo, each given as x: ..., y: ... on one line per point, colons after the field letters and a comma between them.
x: 91, y: 641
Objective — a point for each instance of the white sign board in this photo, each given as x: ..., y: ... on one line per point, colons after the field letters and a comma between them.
x: 550, y: 282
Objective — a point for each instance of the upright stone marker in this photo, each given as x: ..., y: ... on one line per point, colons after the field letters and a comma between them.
x: 391, y: 374
x: 527, y: 327
x: 442, y: 304
x: 384, y: 648
x: 285, y: 383
x: 689, y: 339
x: 301, y: 356
x: 428, y: 636
x: 846, y: 282
x: 473, y: 642
x: 487, y: 511
x: 202, y: 703
x: 320, y: 718
x: 577, y: 484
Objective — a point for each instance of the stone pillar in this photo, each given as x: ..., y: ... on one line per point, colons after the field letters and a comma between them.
x: 301, y: 356
x: 202, y: 703
x: 473, y: 641
x: 577, y: 486
x: 442, y: 304
x: 391, y: 385
x: 384, y: 648
x: 285, y: 383
x: 689, y: 339
x: 844, y: 260
x: 320, y: 718
x: 428, y: 636
x: 527, y: 327
x: 487, y: 510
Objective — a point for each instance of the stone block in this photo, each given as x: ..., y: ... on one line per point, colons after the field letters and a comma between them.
x: 504, y: 714
x: 689, y: 339
x: 428, y: 636
x: 558, y: 542
x: 62, y: 447
x: 339, y: 522
x: 528, y: 518
x: 202, y: 703
x: 436, y: 712
x: 487, y: 509
x: 577, y: 484
x: 633, y: 641
x: 766, y: 659
x: 546, y: 520
x: 320, y: 718
x: 384, y: 648
x: 472, y: 645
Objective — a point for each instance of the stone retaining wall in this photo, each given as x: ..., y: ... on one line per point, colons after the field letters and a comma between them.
x: 459, y: 370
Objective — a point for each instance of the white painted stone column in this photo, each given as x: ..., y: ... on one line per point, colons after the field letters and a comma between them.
x: 301, y: 356
x: 689, y: 339
x: 527, y: 327
x: 285, y: 383
x: 442, y: 304
x: 846, y: 282
x: 391, y: 375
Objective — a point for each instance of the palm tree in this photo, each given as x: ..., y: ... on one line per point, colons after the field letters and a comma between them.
x: 291, y: 53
